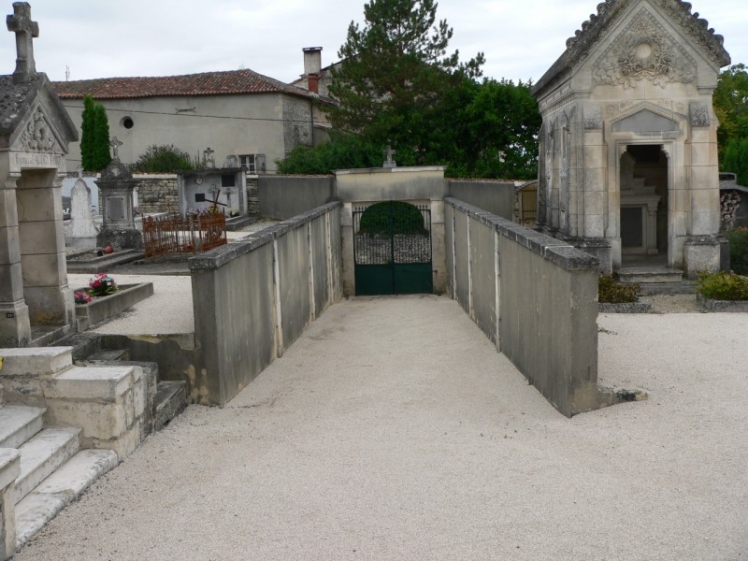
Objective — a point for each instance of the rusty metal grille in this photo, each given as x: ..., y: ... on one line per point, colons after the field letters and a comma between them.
x: 176, y: 234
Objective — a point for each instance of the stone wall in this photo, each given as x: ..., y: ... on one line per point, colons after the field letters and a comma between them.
x: 261, y: 294
x: 496, y: 197
x: 157, y: 193
x: 532, y: 295
x: 297, y: 123
x: 284, y: 196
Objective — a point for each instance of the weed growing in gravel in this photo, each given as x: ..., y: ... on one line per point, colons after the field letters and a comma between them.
x: 611, y: 291
x: 723, y: 286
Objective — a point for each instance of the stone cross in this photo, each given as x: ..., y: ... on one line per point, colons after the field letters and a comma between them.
x: 115, y: 143
x: 390, y: 163
x: 209, y: 160
x: 20, y: 23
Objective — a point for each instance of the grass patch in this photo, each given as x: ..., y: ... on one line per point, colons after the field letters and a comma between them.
x: 610, y: 291
x: 723, y: 286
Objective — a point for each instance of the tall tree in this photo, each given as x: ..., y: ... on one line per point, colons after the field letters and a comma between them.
x: 395, y: 68
x: 95, y: 154
x: 731, y: 108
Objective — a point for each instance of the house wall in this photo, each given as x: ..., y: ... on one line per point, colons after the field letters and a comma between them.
x: 502, y: 274
x: 230, y: 125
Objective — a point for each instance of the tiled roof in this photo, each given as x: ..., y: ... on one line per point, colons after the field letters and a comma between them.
x: 209, y: 83
x: 679, y: 12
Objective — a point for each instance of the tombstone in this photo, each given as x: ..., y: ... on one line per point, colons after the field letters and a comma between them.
x: 116, y: 187
x: 628, y: 147
x: 389, y: 162
x: 35, y: 131
x: 225, y: 188
x: 82, y: 227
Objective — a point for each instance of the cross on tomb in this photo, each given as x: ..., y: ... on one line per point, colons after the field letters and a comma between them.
x: 26, y: 30
x: 390, y: 163
x: 115, y: 143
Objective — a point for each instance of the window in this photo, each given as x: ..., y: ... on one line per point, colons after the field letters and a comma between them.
x: 252, y: 163
x: 128, y: 123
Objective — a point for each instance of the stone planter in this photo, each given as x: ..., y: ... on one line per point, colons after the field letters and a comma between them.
x: 628, y: 308
x: 106, y: 307
x: 729, y: 306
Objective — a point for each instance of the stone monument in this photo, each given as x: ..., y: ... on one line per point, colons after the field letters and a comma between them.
x: 82, y: 228
x: 35, y: 131
x: 116, y: 186
x: 389, y: 162
x: 628, y: 146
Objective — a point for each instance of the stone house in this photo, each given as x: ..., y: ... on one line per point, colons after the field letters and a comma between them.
x: 628, y: 146
x: 245, y: 118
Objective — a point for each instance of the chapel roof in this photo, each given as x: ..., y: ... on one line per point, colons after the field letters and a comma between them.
x: 231, y: 82
x: 578, y: 47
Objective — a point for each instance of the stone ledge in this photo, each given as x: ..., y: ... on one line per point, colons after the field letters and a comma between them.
x: 722, y: 306
x: 34, y: 362
x: 106, y: 307
x: 104, y: 384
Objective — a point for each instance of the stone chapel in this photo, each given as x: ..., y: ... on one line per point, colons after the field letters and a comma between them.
x: 35, y: 130
x: 628, y: 147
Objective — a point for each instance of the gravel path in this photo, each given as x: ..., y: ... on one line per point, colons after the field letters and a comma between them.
x: 392, y: 430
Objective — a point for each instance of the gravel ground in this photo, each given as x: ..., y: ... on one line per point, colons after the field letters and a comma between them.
x: 393, y: 430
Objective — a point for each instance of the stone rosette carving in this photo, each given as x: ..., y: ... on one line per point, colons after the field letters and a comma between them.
x: 644, y: 51
x: 700, y: 115
x: 37, y: 136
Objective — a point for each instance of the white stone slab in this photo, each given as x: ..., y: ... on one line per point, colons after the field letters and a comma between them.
x: 18, y: 424
x: 42, y: 455
x: 104, y: 383
x: 10, y: 466
x: 33, y: 512
x: 79, y: 473
x: 35, y: 361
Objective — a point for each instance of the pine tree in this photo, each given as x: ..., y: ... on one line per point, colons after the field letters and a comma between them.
x: 395, y: 70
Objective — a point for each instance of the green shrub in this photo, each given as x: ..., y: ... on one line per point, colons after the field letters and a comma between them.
x: 738, y: 238
x: 396, y: 217
x: 723, y: 286
x: 165, y: 158
x: 611, y: 291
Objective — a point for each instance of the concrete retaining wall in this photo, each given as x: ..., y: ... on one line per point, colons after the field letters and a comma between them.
x: 283, y: 196
x: 253, y: 299
x: 534, y: 296
x: 496, y: 197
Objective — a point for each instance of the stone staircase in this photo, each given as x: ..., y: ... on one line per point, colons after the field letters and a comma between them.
x: 64, y: 424
x: 656, y: 280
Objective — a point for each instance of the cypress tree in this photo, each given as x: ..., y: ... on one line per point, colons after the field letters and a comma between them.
x: 87, y: 134
x: 102, y: 155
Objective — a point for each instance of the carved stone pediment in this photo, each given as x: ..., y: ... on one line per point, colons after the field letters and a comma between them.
x: 646, y: 123
x: 644, y: 51
x: 37, y: 136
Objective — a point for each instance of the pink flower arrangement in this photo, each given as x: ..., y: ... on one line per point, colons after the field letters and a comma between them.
x: 82, y: 298
x: 102, y: 285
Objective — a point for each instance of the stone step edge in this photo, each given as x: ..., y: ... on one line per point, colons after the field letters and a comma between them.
x: 65, y: 444
x: 64, y: 486
x: 22, y: 433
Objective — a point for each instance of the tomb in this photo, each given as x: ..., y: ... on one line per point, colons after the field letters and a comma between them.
x: 628, y: 146
x: 224, y: 189
x: 35, y: 131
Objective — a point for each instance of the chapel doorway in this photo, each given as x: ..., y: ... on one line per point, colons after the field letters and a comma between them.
x: 644, y: 205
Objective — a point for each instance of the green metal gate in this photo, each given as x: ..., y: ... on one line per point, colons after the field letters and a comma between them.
x: 392, y: 249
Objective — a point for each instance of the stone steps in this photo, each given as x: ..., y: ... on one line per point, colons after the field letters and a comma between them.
x: 59, y: 489
x: 649, y: 276
x: 170, y: 401
x: 42, y: 455
x: 18, y: 424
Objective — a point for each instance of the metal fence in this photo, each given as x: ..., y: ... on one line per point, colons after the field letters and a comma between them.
x: 177, y: 234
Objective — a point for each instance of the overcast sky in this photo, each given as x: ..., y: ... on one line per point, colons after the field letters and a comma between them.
x: 107, y: 38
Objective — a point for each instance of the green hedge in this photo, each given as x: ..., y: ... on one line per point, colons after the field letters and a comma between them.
x: 723, y: 286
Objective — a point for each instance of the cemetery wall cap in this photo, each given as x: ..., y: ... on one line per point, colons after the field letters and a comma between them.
x: 578, y: 47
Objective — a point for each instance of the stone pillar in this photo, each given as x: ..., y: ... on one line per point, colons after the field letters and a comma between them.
x: 10, y: 469
x: 15, y: 328
x: 42, y: 241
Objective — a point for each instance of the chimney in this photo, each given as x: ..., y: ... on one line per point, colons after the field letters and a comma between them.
x: 312, y: 61
x: 313, y: 81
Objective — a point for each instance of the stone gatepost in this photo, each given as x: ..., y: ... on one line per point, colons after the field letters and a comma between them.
x: 116, y: 186
x: 35, y: 131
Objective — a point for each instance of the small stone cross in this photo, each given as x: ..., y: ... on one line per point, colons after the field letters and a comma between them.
x: 209, y: 160
x: 115, y: 143
x: 390, y: 163
x: 20, y: 23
